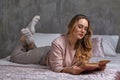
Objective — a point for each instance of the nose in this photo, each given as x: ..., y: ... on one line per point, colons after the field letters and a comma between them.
x: 83, y: 30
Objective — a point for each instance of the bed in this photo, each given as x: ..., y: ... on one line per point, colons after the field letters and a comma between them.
x: 15, y: 71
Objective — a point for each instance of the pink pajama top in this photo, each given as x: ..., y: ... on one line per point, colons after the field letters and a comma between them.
x: 61, y: 54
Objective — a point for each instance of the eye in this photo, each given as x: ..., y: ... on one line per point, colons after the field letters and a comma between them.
x: 86, y: 29
x: 80, y: 26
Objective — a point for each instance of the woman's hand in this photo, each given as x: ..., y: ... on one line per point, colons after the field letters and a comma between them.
x: 102, y: 64
x: 102, y: 67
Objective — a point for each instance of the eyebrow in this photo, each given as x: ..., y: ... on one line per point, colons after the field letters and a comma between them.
x: 83, y: 25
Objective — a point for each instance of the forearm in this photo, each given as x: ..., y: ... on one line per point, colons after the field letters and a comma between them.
x: 75, y: 70
x: 67, y: 70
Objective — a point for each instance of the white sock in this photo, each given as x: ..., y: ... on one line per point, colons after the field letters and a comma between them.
x: 28, y: 36
x: 32, y: 24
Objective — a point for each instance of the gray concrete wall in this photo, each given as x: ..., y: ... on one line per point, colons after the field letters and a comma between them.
x: 55, y: 15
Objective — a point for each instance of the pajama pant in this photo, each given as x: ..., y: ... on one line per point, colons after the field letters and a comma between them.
x: 33, y: 56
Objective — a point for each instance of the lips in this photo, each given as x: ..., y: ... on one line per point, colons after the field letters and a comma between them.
x: 81, y: 35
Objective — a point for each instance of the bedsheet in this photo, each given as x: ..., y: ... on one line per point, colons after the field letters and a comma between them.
x: 14, y: 71
x: 114, y: 61
x: 37, y: 73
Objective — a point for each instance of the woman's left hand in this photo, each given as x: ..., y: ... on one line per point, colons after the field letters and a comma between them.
x: 102, y: 67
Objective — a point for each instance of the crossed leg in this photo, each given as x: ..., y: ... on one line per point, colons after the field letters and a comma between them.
x: 27, y: 33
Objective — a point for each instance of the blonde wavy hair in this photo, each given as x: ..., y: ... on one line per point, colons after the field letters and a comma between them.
x: 83, y: 46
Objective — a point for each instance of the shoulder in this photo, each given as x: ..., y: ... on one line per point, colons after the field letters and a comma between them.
x: 60, y: 40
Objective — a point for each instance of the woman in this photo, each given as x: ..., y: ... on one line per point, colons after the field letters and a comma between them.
x: 68, y: 53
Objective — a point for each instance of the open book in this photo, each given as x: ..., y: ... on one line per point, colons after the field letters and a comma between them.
x: 93, y: 66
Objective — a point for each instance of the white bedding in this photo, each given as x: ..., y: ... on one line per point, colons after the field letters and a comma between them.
x: 14, y: 71
x: 114, y: 61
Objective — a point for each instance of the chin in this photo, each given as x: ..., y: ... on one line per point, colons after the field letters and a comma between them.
x: 80, y: 37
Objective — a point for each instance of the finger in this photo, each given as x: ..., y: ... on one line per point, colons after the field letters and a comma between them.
x: 102, y: 67
x: 102, y: 64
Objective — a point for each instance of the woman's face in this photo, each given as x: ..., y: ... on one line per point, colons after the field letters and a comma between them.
x: 80, y: 28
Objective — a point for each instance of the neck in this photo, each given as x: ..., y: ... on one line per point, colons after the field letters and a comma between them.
x: 72, y: 40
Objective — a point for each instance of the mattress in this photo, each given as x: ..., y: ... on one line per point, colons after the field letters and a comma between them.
x: 14, y: 71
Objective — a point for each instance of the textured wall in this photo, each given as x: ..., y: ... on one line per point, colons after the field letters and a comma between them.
x: 55, y: 15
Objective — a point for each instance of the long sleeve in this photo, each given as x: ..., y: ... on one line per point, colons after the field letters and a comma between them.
x: 61, y: 55
x: 56, y: 57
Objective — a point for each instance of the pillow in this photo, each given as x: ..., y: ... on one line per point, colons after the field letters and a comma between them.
x: 44, y: 39
x: 97, y: 48
x: 109, y: 44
